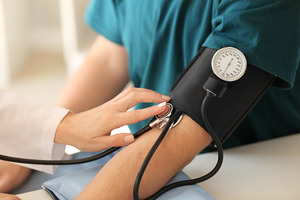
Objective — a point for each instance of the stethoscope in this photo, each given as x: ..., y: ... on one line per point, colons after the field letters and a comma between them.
x: 170, y: 120
x: 158, y: 121
x: 165, y: 122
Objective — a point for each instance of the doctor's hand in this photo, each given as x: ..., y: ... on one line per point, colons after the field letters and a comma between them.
x: 90, y: 130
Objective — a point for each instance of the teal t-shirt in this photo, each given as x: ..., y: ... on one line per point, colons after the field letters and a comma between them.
x: 162, y: 36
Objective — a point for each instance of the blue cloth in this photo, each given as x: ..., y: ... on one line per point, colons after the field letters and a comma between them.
x: 69, y: 186
x: 37, y: 178
x: 161, y: 38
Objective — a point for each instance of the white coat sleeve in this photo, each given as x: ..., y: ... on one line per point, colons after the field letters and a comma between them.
x: 27, y: 129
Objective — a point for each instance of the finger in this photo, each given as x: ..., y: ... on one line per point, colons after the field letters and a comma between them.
x: 141, y: 96
x: 122, y: 94
x: 128, y: 91
x: 105, y: 142
x: 137, y: 92
x: 135, y: 116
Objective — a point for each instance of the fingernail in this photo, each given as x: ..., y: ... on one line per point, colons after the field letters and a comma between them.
x: 128, y: 139
x: 165, y: 97
x: 161, y: 104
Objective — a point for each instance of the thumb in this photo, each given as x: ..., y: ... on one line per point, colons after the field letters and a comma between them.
x: 105, y: 142
x: 120, y: 139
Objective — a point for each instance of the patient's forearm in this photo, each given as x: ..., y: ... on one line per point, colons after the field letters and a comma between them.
x: 116, y: 179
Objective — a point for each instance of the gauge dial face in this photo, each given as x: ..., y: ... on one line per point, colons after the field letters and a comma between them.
x: 229, y: 64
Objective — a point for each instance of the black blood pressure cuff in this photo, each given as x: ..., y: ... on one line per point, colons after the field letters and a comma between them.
x: 227, y: 112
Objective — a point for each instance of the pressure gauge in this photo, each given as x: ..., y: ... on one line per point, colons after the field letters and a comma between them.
x: 229, y: 64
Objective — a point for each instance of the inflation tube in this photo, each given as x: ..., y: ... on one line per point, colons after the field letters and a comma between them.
x: 226, y: 112
x: 193, y: 94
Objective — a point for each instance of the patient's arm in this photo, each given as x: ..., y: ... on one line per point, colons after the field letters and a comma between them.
x: 116, y: 178
x: 102, y: 75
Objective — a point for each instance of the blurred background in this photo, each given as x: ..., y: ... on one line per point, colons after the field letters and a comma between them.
x: 41, y: 44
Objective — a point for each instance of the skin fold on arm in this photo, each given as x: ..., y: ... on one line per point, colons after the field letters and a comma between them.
x: 116, y: 178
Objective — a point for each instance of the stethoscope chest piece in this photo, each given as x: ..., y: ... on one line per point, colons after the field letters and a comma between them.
x: 161, y: 121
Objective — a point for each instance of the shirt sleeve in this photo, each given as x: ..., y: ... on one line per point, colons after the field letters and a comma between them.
x: 266, y: 31
x: 103, y: 17
x: 27, y: 129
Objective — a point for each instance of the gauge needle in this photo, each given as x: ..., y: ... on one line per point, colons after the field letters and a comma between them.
x: 227, y: 66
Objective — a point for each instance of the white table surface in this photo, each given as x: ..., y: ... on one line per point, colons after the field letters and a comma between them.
x: 260, y: 171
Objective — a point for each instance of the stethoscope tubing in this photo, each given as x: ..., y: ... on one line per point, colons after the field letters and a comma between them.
x: 70, y: 162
